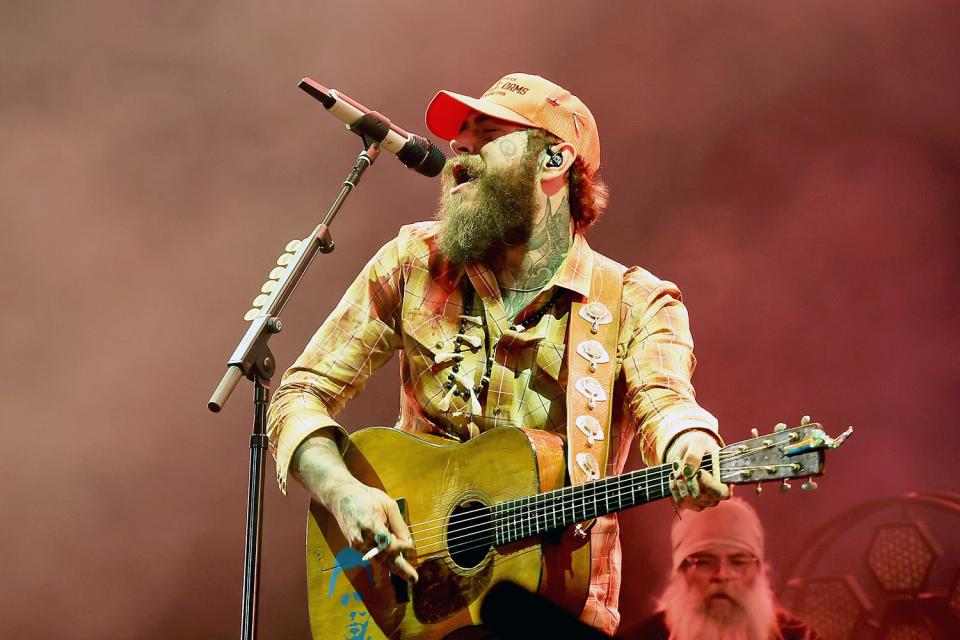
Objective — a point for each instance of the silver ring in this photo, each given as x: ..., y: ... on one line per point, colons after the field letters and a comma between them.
x: 382, y: 540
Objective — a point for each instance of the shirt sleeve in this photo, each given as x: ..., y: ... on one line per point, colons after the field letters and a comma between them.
x: 358, y: 338
x: 658, y: 365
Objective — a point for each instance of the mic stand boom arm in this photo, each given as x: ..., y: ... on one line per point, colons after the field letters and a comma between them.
x: 252, y: 359
x: 252, y: 356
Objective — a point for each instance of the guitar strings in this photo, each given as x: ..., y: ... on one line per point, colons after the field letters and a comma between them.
x: 531, y: 517
x: 520, y: 521
x: 537, y: 500
x: 600, y: 490
x: 469, y: 544
x: 659, y: 469
x: 462, y: 548
x: 543, y: 503
x: 482, y: 537
x: 514, y: 518
x: 654, y: 475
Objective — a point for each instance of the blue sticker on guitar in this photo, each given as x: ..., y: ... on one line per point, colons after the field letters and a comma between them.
x: 348, y: 558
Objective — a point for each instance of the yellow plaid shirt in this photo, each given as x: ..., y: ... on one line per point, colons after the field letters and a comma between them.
x: 408, y: 298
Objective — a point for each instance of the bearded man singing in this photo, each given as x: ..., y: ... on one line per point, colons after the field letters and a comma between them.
x: 719, y: 588
x: 504, y: 259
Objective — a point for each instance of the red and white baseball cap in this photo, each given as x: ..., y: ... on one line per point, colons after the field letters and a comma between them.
x: 524, y: 99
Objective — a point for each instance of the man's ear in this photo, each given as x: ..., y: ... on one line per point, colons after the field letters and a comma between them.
x: 557, y: 160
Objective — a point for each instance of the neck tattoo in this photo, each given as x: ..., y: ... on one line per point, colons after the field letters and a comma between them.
x: 546, y: 250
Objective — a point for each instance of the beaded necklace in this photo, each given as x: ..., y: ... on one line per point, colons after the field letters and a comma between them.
x: 534, y: 317
x: 462, y: 339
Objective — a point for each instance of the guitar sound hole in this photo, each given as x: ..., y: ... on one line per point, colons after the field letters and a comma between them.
x: 470, y: 533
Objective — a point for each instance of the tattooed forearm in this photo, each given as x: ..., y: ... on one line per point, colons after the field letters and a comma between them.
x: 346, y: 507
x: 318, y: 465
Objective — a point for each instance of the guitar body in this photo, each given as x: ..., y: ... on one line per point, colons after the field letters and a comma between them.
x: 434, y: 479
x: 494, y: 509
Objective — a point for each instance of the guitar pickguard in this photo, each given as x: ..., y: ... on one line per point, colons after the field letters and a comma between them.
x: 443, y: 592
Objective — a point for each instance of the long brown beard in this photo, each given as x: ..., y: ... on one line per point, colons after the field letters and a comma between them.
x: 753, y: 615
x: 499, y: 213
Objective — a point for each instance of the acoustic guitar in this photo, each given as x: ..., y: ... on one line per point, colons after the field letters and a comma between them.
x: 495, y: 508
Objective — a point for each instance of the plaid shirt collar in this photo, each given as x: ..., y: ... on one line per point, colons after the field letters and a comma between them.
x: 575, y: 272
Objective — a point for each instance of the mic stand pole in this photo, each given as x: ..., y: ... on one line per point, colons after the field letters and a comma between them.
x: 252, y: 359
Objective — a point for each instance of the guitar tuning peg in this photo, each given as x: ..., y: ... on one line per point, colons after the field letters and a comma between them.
x: 269, y: 286
x: 759, y: 489
x: 780, y: 426
x: 277, y: 273
x: 785, y: 486
x: 293, y: 245
x: 284, y: 259
x: 809, y: 485
x: 253, y: 313
x: 755, y: 432
x: 260, y: 300
x: 805, y: 420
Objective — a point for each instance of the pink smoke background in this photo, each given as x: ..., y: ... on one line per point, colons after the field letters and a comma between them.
x: 792, y: 166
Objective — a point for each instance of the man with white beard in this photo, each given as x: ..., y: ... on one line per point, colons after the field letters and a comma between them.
x: 719, y: 588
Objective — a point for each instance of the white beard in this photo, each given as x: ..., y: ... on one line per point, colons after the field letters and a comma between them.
x: 753, y: 615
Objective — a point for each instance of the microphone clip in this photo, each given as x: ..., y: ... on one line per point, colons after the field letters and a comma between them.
x: 371, y: 127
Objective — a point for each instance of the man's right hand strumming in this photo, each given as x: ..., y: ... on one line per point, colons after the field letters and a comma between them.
x: 369, y: 519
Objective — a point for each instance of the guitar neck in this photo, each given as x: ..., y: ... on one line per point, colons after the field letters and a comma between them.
x: 782, y: 455
x: 537, y: 514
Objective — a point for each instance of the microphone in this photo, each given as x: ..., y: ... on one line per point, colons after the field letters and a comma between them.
x: 416, y: 152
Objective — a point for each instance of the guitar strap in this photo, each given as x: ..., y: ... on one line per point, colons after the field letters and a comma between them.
x: 592, y: 332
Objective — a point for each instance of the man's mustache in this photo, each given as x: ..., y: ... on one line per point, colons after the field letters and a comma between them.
x: 463, y: 168
x: 723, y: 593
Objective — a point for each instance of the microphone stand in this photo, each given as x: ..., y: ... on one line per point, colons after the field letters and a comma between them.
x: 252, y: 359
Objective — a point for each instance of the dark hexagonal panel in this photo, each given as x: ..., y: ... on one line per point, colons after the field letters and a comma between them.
x: 901, y: 555
x: 953, y: 598
x: 831, y: 605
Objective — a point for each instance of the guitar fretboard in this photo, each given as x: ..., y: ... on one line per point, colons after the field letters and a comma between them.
x: 537, y: 514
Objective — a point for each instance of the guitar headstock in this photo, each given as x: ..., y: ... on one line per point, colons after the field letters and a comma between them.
x: 797, y: 452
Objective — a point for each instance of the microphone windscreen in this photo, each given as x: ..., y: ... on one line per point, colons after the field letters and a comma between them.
x: 422, y: 156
